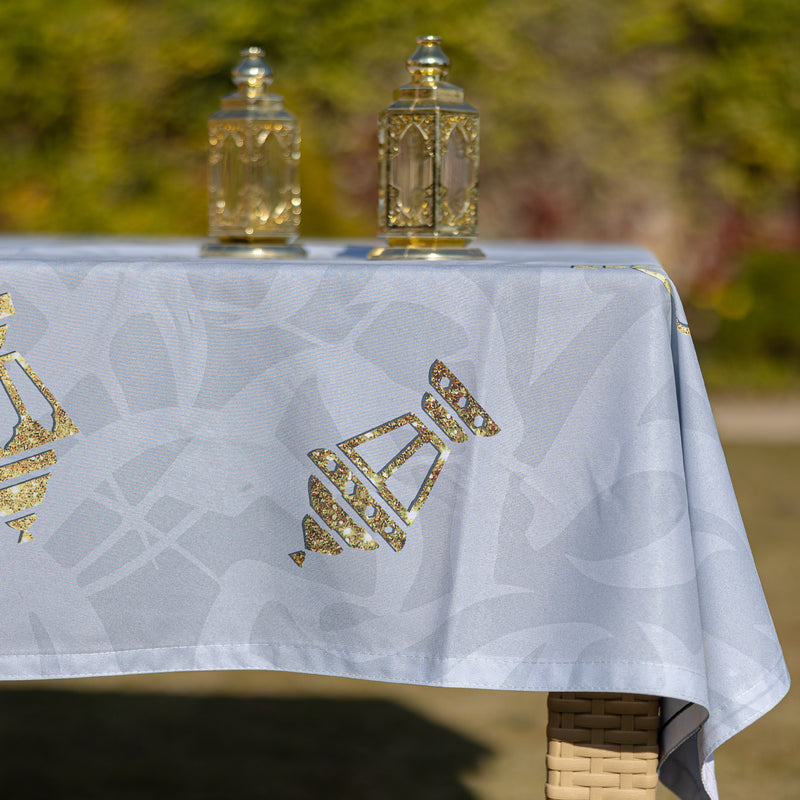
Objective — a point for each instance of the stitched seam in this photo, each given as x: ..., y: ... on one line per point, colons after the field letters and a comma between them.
x: 349, y: 653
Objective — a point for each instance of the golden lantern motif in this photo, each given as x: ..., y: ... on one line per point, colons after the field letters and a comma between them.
x: 23, y: 481
x: 367, y: 494
x: 428, y: 165
x: 253, y: 155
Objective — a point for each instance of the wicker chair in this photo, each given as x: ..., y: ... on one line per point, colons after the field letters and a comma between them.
x: 601, y: 746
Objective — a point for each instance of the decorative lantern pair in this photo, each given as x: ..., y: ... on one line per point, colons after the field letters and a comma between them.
x: 427, y: 161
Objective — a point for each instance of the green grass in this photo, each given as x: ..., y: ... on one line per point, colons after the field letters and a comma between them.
x: 272, y: 735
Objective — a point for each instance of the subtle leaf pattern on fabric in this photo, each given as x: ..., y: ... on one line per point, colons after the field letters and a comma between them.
x: 593, y: 543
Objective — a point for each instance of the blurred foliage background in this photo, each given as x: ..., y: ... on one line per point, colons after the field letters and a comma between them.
x: 671, y: 123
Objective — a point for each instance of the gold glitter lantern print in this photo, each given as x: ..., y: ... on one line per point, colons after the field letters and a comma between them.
x: 23, y: 482
x: 386, y: 521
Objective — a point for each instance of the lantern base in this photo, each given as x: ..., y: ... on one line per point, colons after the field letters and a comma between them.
x: 245, y: 249
x: 425, y: 254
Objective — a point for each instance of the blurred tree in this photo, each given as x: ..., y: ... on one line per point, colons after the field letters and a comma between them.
x: 747, y: 329
x: 670, y: 122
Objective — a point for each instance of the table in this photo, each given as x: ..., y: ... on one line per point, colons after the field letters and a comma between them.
x: 500, y: 474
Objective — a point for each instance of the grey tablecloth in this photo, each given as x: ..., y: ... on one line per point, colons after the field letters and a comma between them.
x: 501, y: 474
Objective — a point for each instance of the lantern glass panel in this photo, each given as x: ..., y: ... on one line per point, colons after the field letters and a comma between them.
x: 412, y: 178
x: 458, y: 175
x: 233, y: 177
x: 271, y: 175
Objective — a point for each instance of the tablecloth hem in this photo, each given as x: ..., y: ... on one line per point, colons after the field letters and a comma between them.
x: 750, y: 706
x: 478, y: 673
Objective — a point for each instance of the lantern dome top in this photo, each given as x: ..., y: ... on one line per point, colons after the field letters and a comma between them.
x: 428, y: 63
x: 428, y: 90
x: 252, y: 75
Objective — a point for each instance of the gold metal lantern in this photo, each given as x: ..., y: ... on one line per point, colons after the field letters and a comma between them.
x: 253, y: 156
x: 428, y: 165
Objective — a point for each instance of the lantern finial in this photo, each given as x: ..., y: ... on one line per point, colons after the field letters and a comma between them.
x: 252, y: 75
x: 428, y: 63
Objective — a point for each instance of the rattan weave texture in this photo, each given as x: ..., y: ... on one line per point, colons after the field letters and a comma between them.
x: 601, y: 746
